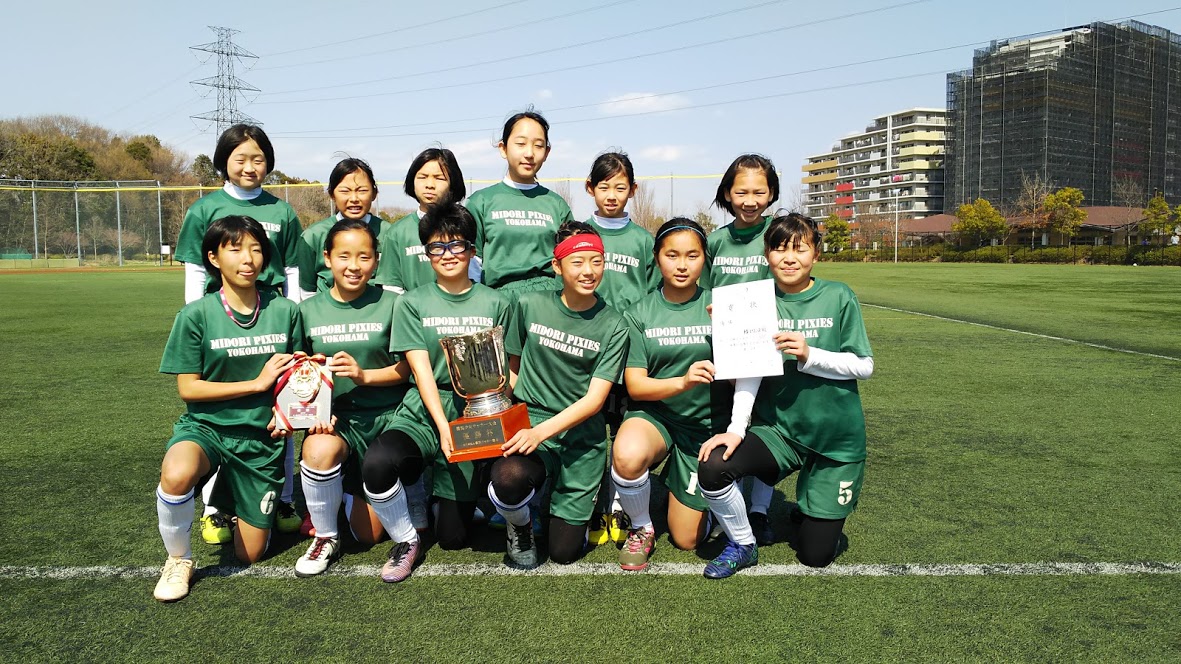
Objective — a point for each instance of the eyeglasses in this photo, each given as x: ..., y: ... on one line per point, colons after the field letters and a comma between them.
x: 455, y: 248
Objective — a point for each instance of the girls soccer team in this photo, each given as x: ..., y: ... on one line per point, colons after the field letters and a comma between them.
x: 591, y: 310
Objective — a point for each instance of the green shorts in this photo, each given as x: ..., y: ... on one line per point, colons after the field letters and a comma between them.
x: 680, y: 466
x: 249, y: 464
x: 512, y: 290
x: 359, y: 429
x: 575, y: 462
x: 453, y: 481
x: 825, y: 488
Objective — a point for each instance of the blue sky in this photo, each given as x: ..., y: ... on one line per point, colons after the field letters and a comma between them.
x: 683, y: 86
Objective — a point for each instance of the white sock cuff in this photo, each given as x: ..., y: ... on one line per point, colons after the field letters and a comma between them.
x: 500, y: 504
x: 384, y: 497
x: 721, y: 493
x: 623, y: 483
x: 171, y: 499
x: 321, y: 476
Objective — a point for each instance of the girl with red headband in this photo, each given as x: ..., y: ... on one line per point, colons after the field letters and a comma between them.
x: 566, y: 349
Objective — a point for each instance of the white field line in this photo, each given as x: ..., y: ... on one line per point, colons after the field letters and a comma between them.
x: 1031, y: 334
x: 56, y: 573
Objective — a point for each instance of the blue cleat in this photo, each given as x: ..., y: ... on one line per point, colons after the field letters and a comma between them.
x: 732, y: 558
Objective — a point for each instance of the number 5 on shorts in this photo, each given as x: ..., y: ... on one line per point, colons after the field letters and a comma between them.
x: 845, y: 493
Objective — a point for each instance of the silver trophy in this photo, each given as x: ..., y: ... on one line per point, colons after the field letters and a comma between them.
x: 478, y: 371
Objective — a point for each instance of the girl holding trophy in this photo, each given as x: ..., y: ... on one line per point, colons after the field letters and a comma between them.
x: 419, y: 432
x: 350, y: 324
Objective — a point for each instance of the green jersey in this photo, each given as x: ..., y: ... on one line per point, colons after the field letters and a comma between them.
x: 561, y: 350
x: 735, y: 256
x: 666, y: 339
x: 360, y: 328
x: 629, y: 268
x: 428, y: 313
x: 205, y: 341
x: 821, y: 414
x: 314, y: 275
x: 404, y: 261
x: 515, y: 231
x: 276, y: 216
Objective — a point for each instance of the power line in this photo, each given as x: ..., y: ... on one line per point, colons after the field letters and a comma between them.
x: 450, y: 40
x: 337, y: 42
x: 547, y: 51
x: 630, y: 58
x: 140, y: 98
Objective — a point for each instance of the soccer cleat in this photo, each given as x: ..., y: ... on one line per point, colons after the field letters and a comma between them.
x: 732, y: 558
x: 174, y: 580
x: 600, y: 531
x: 761, y: 525
x: 418, y: 515
x: 403, y: 556
x: 536, y: 521
x: 636, y: 550
x: 619, y: 526
x: 217, y: 528
x: 497, y: 521
x: 287, y: 520
x: 320, y: 554
x: 521, y: 549
x: 306, y: 528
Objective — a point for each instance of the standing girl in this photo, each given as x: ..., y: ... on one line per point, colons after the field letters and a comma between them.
x: 675, y: 403
x: 243, y: 157
x: 808, y: 420
x: 350, y: 323
x: 516, y: 218
x: 352, y: 188
x: 749, y: 186
x: 226, y: 349
x: 433, y: 176
x: 566, y: 349
x: 419, y: 433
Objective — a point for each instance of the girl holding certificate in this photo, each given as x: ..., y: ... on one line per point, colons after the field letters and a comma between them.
x: 675, y: 404
x: 227, y: 349
x: 808, y: 420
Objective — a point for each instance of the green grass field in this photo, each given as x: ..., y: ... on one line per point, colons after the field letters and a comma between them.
x: 987, y: 447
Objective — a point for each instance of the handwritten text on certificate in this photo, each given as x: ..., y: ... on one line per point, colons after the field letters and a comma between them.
x: 745, y: 323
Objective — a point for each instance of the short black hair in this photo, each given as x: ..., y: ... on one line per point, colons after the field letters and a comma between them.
x: 456, y: 189
x: 237, y: 135
x: 527, y: 114
x: 572, y: 228
x: 349, y: 225
x: 608, y: 164
x: 790, y: 230
x: 447, y: 219
x: 676, y: 225
x: 746, y: 162
x: 229, y: 230
x: 346, y: 166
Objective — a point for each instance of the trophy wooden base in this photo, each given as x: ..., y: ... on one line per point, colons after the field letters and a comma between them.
x: 481, y: 437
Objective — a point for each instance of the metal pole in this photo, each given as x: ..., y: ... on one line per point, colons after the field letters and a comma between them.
x: 119, y: 223
x: 159, y: 222
x: 35, y: 245
x: 77, y: 224
x: 672, y: 199
x: 896, y: 191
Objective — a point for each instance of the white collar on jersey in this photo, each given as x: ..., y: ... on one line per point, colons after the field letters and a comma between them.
x: 340, y: 217
x: 239, y: 193
x: 517, y: 185
x: 611, y: 223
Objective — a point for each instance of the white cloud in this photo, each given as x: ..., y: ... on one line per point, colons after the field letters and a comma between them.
x: 544, y: 94
x: 668, y: 153
x: 643, y: 102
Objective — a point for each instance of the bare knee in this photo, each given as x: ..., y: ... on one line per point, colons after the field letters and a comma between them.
x: 323, y: 452
x: 177, y: 477
x: 683, y: 541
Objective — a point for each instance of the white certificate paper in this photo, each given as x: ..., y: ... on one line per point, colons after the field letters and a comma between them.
x: 745, y: 322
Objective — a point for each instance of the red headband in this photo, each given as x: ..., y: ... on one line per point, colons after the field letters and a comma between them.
x: 576, y: 243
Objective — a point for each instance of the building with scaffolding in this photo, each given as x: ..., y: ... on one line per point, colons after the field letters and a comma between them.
x: 1096, y: 107
x: 894, y: 167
